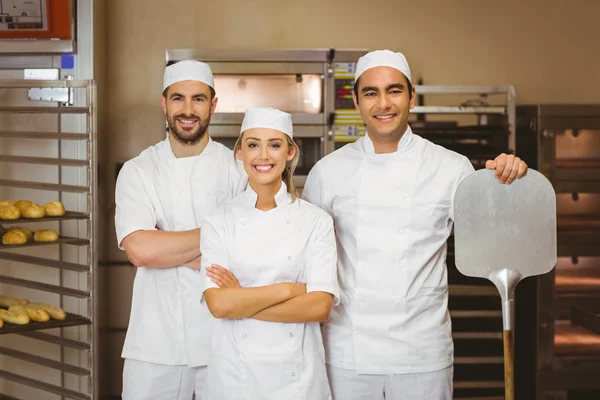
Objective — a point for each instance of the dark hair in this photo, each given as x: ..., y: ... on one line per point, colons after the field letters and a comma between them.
x: 212, y: 92
x: 410, y: 88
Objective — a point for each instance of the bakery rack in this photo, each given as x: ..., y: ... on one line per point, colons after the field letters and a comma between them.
x: 54, y: 359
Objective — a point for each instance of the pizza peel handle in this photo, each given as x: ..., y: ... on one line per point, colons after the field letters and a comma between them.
x: 505, y: 233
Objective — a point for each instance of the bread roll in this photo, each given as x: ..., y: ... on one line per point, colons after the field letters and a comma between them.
x: 35, y: 314
x: 22, y: 203
x: 54, y: 209
x: 33, y: 211
x: 10, y: 212
x: 54, y: 311
x: 8, y: 301
x: 7, y: 203
x: 26, y: 231
x: 13, y: 317
x: 45, y: 236
x: 14, y: 237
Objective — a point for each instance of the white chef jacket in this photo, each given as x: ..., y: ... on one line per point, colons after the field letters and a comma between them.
x: 393, y: 215
x: 294, y: 242
x: 157, y: 190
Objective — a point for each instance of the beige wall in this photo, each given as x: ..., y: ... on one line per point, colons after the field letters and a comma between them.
x: 550, y: 54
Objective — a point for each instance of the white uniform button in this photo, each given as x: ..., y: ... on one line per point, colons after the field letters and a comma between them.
x: 289, y: 257
x: 288, y: 222
x: 244, y: 336
x: 291, y: 334
x: 293, y: 374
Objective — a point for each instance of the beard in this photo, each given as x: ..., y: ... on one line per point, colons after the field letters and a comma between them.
x: 187, y: 136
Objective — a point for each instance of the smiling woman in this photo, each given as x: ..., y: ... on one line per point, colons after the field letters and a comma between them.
x: 270, y: 265
x: 269, y: 156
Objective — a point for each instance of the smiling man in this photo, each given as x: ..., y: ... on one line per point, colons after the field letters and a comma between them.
x: 162, y: 198
x: 391, y: 196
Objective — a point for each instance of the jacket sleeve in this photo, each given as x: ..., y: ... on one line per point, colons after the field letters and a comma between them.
x: 134, y: 210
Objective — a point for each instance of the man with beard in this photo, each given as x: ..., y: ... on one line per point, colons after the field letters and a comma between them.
x: 162, y: 197
x: 391, y: 195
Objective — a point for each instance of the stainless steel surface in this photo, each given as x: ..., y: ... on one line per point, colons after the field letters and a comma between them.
x: 70, y: 394
x: 237, y: 118
x: 43, y: 286
x: 233, y: 131
x: 22, y: 258
x: 43, y: 161
x: 498, y: 227
x: 44, y: 186
x: 72, y: 369
x: 40, y: 46
x: 84, y: 264
x: 310, y: 55
x: 50, y: 338
x: 43, y: 135
x: 256, y: 69
x: 44, y: 110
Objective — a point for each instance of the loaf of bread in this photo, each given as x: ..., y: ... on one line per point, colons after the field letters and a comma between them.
x: 14, y: 237
x: 10, y: 212
x: 54, y: 311
x: 7, y: 203
x: 14, y: 317
x: 35, y: 314
x: 45, y: 236
x: 22, y: 203
x: 8, y: 301
x: 54, y: 209
x: 33, y: 211
x: 26, y: 231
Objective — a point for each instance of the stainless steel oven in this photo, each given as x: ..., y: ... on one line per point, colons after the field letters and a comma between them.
x: 300, y: 82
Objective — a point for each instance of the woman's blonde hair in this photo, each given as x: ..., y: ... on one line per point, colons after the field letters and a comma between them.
x: 288, y: 173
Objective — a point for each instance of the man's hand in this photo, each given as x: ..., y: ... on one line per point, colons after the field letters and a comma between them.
x: 508, y: 167
x: 222, y: 277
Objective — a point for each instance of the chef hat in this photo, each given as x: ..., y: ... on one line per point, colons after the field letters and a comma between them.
x: 266, y: 117
x: 382, y: 58
x: 188, y: 70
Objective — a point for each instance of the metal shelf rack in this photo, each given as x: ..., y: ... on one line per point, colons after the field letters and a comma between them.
x: 67, y: 350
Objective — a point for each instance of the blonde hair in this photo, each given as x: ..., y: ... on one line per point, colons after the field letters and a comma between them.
x: 288, y: 173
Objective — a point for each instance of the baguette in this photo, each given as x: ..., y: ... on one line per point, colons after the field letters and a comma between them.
x: 12, y: 317
x: 35, y: 314
x: 54, y: 311
x: 8, y: 301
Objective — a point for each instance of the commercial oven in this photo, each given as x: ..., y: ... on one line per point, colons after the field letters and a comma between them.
x: 300, y: 82
x: 561, y: 320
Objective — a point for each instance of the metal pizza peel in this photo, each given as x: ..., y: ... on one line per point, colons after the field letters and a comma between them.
x: 505, y: 233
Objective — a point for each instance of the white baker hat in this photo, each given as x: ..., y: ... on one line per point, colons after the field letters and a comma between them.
x: 382, y: 58
x: 265, y: 117
x: 188, y: 70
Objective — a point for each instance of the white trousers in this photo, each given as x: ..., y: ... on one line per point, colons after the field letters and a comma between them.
x: 148, y: 381
x: 348, y: 385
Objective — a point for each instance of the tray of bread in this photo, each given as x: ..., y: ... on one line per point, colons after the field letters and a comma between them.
x: 20, y: 315
x: 21, y: 211
x: 18, y: 236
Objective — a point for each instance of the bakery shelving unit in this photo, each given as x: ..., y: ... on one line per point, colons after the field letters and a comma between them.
x: 54, y: 359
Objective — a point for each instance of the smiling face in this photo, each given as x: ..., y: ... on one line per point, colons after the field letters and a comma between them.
x: 188, y: 106
x: 384, y: 99
x: 265, y: 153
